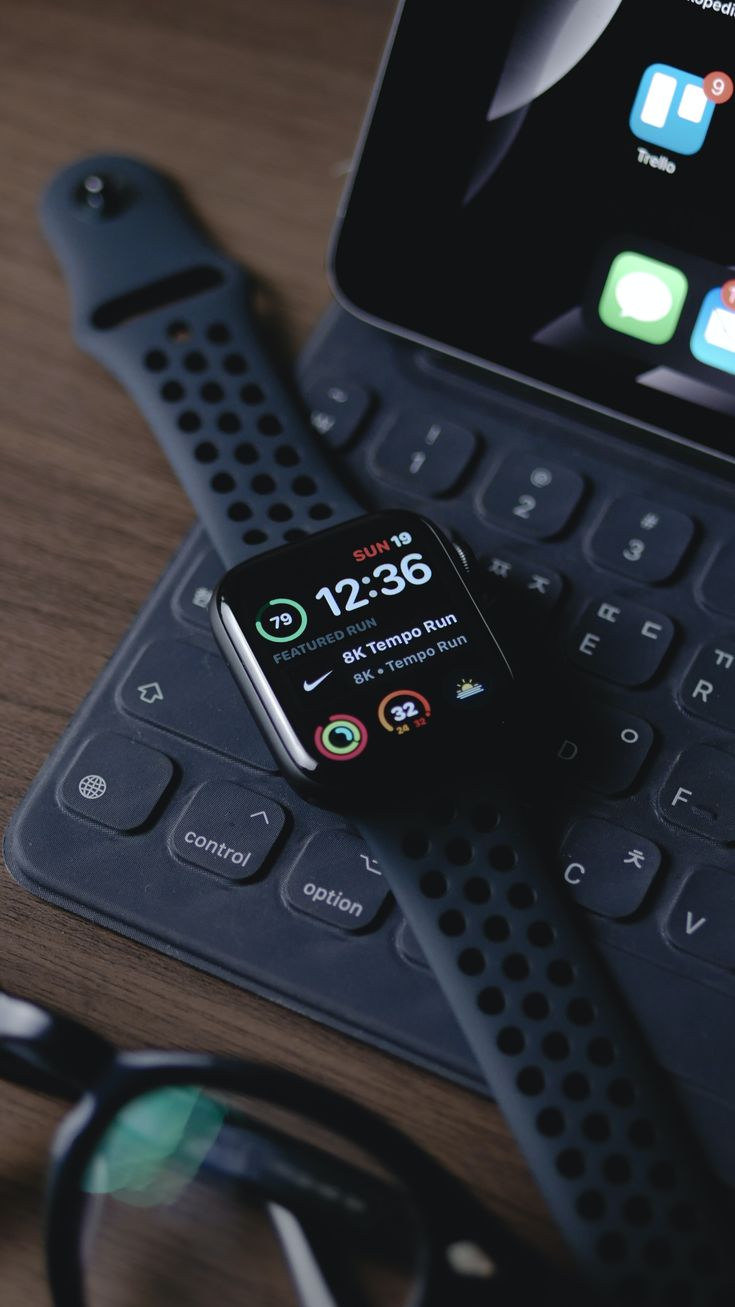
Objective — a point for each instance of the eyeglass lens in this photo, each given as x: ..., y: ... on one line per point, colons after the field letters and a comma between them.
x: 195, y: 1197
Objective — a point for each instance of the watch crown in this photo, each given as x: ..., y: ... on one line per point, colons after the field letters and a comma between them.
x: 464, y: 555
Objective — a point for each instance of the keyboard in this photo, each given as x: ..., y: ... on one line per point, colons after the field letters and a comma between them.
x: 609, y: 576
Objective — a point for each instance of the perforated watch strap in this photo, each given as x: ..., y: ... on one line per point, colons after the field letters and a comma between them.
x: 167, y: 313
x: 587, y: 1105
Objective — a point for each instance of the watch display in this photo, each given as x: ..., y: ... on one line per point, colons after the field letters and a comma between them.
x: 368, y: 655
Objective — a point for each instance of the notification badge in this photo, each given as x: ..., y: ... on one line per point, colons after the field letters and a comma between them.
x: 342, y: 739
x: 718, y: 87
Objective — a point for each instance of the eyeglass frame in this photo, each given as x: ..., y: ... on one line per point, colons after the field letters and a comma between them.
x: 50, y: 1053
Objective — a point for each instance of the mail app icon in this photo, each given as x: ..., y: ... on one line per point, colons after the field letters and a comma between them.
x: 713, y: 337
x: 720, y: 329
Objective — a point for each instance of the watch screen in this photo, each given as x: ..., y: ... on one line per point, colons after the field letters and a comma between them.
x: 364, y: 654
x: 545, y: 188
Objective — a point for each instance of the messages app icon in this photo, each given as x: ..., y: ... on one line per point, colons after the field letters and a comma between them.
x: 671, y: 109
x: 713, y: 338
x: 643, y: 297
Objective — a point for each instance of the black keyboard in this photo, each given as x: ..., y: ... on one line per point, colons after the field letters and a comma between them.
x: 610, y: 581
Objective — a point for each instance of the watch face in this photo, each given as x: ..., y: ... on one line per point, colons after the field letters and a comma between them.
x: 365, y: 658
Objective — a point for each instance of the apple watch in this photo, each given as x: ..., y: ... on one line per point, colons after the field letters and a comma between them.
x: 361, y: 649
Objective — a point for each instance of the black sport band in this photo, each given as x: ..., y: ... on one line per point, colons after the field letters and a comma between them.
x: 167, y: 313
x: 152, y: 299
x: 590, y: 1110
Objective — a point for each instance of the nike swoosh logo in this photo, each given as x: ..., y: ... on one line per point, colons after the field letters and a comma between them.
x: 311, y: 685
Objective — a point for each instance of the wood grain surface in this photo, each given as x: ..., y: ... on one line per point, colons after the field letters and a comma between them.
x: 254, y: 107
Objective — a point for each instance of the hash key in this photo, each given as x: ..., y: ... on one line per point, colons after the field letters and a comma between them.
x: 642, y: 539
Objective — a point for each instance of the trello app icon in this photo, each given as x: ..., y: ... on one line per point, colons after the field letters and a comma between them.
x: 671, y: 109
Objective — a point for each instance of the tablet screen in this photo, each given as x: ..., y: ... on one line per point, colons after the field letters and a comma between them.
x: 546, y: 187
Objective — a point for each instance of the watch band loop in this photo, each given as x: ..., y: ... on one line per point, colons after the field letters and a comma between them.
x: 168, y: 314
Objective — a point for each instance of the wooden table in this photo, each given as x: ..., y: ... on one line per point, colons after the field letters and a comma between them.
x: 254, y: 107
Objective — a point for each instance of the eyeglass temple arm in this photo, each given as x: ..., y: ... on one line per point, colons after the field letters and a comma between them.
x: 48, y: 1053
x: 324, y: 1192
x: 282, y: 1170
x: 306, y: 1272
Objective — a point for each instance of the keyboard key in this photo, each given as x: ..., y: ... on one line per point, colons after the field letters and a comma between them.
x: 337, y: 880
x: 424, y: 454
x: 192, y: 598
x: 608, y: 869
x: 708, y: 690
x: 621, y: 641
x: 337, y: 410
x: 602, y: 748
x: 183, y: 689
x: 700, y: 793
x: 117, y: 782
x: 521, y: 587
x: 534, y: 498
x: 702, y: 921
x: 228, y: 829
x: 718, y: 583
x: 642, y: 539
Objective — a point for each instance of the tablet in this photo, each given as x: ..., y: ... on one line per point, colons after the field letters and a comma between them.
x: 543, y: 189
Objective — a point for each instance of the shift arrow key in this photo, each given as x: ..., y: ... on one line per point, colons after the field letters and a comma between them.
x: 702, y: 920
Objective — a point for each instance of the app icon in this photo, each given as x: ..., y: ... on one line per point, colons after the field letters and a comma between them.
x: 713, y: 337
x: 643, y: 297
x: 343, y: 737
x: 672, y: 109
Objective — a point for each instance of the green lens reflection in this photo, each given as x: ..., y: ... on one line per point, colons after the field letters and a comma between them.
x: 155, y: 1146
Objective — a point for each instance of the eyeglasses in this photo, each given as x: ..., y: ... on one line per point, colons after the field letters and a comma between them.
x: 193, y: 1179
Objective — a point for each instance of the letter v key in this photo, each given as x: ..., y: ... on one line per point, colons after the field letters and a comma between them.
x: 693, y: 925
